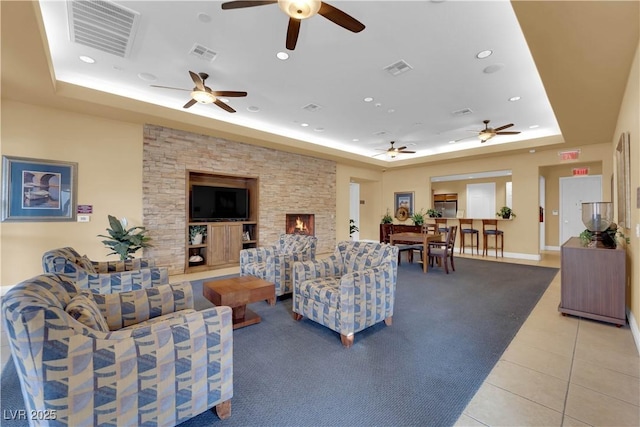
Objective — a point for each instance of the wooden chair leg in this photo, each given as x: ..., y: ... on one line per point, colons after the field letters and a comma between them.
x: 347, y: 340
x: 297, y: 316
x: 223, y: 410
x: 388, y: 321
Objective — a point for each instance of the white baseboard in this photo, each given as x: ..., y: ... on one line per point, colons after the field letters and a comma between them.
x: 633, y: 325
x: 552, y: 248
x: 492, y: 254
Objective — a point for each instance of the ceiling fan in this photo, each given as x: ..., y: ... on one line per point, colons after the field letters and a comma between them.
x: 394, y: 151
x: 303, y: 9
x: 204, y: 95
x: 487, y: 133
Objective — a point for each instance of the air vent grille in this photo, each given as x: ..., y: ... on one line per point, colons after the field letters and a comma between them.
x: 312, y: 108
x: 102, y: 25
x: 203, y: 52
x: 462, y: 112
x: 398, y: 68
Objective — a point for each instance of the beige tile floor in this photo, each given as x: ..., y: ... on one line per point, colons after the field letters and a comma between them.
x: 557, y: 371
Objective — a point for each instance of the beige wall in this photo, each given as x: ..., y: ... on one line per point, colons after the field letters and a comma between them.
x: 109, y: 157
x: 629, y: 121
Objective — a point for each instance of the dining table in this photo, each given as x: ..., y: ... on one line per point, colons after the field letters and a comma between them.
x: 420, y: 238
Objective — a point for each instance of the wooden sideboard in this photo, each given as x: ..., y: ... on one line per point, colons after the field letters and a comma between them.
x: 593, y: 282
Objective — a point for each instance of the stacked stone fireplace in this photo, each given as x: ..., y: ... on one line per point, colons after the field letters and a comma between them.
x: 301, y: 224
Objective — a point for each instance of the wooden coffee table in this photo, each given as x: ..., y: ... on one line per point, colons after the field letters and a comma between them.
x: 237, y: 292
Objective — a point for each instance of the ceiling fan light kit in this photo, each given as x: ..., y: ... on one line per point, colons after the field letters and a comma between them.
x: 300, y: 9
x: 203, y: 97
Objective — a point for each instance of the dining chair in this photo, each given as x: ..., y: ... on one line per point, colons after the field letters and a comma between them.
x: 443, y: 251
x: 442, y: 224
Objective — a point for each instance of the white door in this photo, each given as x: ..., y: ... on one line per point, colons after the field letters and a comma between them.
x: 481, y: 200
x: 573, y: 192
x: 354, y: 208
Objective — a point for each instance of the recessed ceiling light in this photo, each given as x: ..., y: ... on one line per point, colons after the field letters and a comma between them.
x: 203, y: 17
x: 147, y: 77
x: 355, y: 140
x: 378, y: 104
x: 484, y: 54
x: 368, y: 99
x: 532, y: 151
x: 493, y: 68
x: 87, y: 59
x: 514, y: 98
x: 253, y: 109
x: 282, y: 56
x: 452, y: 141
x: 304, y: 125
x: 534, y: 126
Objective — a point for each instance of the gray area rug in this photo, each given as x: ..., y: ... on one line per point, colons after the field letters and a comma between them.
x: 448, y: 332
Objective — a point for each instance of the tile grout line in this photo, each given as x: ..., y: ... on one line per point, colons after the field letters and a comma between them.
x: 573, y: 358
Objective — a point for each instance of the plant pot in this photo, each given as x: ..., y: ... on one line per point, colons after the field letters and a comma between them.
x: 506, y: 216
x: 197, y: 239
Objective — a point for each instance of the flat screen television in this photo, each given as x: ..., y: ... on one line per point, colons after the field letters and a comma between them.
x: 219, y: 203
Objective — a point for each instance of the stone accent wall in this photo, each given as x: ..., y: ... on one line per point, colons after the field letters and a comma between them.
x: 288, y: 183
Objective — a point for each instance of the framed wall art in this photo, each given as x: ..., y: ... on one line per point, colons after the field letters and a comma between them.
x: 623, y: 180
x: 403, y: 205
x: 38, y: 190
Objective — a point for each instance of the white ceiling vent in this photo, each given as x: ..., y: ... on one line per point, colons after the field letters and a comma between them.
x: 398, y: 68
x: 312, y: 108
x: 103, y: 25
x: 203, y: 52
x: 462, y: 112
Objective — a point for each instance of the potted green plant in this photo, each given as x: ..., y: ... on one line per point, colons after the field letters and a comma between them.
x: 506, y: 212
x: 352, y: 228
x: 418, y: 217
x: 197, y: 233
x: 434, y: 213
x: 124, y: 242
x: 387, y: 218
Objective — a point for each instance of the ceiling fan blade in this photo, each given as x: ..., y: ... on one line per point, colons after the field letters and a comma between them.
x: 174, y: 88
x: 230, y: 93
x: 224, y: 106
x: 400, y: 148
x: 503, y: 127
x: 189, y: 104
x: 292, y: 33
x: 197, y: 80
x: 406, y: 151
x: 337, y: 16
x: 508, y: 133
x: 241, y: 4
x: 379, y: 154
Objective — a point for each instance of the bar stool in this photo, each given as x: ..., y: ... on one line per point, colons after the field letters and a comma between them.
x: 442, y: 225
x: 490, y: 228
x: 466, y: 227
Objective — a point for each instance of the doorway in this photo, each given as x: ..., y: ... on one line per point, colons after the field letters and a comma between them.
x: 573, y: 192
x: 354, y: 207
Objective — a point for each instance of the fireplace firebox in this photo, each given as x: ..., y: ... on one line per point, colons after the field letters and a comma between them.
x: 301, y: 224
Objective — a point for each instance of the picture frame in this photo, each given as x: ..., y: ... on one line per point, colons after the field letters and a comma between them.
x: 623, y: 181
x: 38, y: 190
x: 403, y: 206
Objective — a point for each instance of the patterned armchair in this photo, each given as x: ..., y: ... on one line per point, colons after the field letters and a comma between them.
x: 274, y: 263
x: 349, y: 291
x: 104, y: 276
x: 143, y: 357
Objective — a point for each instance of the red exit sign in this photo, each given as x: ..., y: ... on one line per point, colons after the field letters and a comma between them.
x: 569, y: 155
x: 580, y: 171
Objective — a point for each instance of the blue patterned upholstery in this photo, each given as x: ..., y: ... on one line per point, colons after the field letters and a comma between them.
x: 106, y: 276
x: 274, y: 263
x: 349, y: 291
x: 159, y: 372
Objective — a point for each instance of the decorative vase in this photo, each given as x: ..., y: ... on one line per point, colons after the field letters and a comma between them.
x: 197, y: 239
